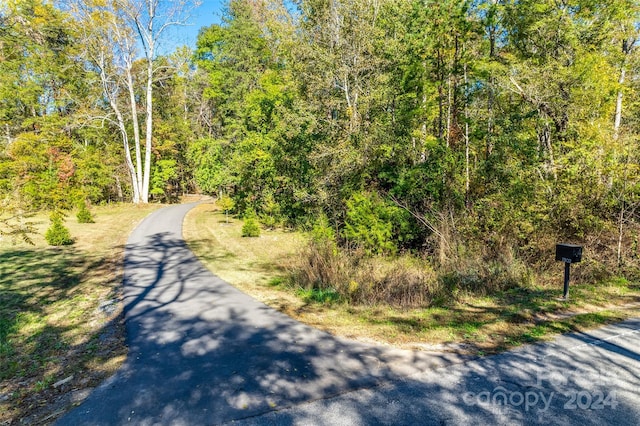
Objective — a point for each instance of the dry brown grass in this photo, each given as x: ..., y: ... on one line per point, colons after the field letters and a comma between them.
x: 362, y: 280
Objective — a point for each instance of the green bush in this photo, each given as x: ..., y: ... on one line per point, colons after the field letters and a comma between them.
x: 322, y: 296
x: 268, y: 222
x: 57, y: 234
x: 369, y: 223
x: 322, y: 230
x: 250, y: 228
x: 84, y: 215
x: 271, y: 215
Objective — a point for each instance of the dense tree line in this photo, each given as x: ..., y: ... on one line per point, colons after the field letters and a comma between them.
x: 446, y: 129
x: 433, y: 127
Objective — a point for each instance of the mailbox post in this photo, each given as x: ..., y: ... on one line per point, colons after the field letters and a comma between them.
x: 568, y: 253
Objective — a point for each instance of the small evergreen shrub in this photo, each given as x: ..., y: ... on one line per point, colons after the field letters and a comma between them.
x: 251, y: 228
x: 58, y: 234
x: 370, y: 223
x: 84, y: 215
x: 271, y: 214
x: 269, y: 222
x: 322, y: 230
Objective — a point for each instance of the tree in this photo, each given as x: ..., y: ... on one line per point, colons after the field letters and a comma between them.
x: 125, y: 25
x: 151, y: 19
x: 258, y: 147
x: 43, y: 89
x: 226, y: 203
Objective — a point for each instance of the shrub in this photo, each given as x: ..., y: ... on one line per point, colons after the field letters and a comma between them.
x: 57, y: 234
x: 84, y: 215
x: 322, y: 230
x: 368, y: 224
x: 271, y: 215
x: 328, y: 274
x: 251, y: 228
x: 376, y: 225
x: 269, y: 222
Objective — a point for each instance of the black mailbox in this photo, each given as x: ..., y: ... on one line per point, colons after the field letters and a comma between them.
x: 568, y: 253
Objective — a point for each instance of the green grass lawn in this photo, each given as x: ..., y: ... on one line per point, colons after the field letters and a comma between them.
x: 60, y: 314
x: 479, y: 325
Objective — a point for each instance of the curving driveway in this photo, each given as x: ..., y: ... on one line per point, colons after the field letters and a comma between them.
x: 201, y: 352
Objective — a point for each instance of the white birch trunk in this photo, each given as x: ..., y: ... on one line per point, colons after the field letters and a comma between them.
x: 136, y: 129
x: 100, y: 62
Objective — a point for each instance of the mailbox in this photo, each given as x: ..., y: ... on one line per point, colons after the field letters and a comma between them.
x: 568, y: 253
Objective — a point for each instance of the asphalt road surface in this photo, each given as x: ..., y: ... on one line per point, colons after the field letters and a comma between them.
x: 202, y: 353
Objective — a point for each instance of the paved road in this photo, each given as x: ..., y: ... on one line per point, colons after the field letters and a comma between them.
x: 201, y: 353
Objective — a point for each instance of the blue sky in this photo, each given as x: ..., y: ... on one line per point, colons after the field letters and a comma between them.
x: 209, y: 12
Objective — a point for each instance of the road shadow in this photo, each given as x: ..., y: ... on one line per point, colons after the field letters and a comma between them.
x: 577, y: 380
x: 46, y: 296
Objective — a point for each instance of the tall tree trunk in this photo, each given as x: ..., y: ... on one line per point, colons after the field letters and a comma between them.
x: 100, y: 61
x: 627, y: 47
x: 620, y: 233
x: 423, y: 154
x: 449, y: 111
x: 148, y: 37
x: 618, y: 116
x: 149, y: 134
x: 127, y: 155
x: 440, y: 130
x: 466, y: 136
x: 136, y: 128
x: 490, y: 88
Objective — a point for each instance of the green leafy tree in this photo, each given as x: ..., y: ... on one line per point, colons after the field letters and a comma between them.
x: 49, y: 155
x: 226, y: 203
x: 164, y: 171
x: 84, y: 215
x: 260, y: 144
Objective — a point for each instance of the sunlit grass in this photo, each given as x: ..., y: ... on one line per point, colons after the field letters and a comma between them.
x: 50, y: 324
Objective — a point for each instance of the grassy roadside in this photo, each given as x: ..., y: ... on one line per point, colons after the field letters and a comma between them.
x: 60, y: 314
x: 479, y: 325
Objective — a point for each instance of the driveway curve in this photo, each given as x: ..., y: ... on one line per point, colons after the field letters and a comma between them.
x: 202, y: 352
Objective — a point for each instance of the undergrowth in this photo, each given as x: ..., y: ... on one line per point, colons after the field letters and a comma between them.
x: 354, y: 276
